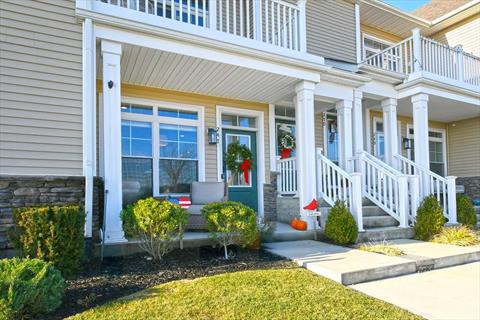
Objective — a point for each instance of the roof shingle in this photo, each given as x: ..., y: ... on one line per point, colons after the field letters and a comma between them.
x: 437, y: 8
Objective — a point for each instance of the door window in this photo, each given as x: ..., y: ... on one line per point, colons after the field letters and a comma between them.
x: 236, y: 179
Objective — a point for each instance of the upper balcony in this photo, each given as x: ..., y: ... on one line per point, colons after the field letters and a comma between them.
x: 273, y: 26
x: 421, y: 57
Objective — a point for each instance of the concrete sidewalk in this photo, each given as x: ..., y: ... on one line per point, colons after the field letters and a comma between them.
x: 352, y: 266
x: 445, y: 294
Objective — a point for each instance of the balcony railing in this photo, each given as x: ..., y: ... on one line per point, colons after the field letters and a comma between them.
x: 420, y: 54
x: 275, y: 22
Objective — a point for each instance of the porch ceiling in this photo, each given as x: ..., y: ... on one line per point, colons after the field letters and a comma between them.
x: 155, y: 68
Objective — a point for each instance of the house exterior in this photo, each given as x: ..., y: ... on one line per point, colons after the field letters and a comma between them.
x: 103, y: 102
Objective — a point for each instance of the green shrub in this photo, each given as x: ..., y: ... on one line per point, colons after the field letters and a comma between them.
x: 156, y: 223
x: 231, y: 223
x: 465, y: 211
x: 458, y: 236
x: 429, y: 220
x: 341, y: 227
x: 51, y: 233
x: 29, y: 287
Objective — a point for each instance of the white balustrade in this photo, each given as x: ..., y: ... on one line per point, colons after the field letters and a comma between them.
x: 397, y: 58
x: 287, y: 181
x: 431, y: 183
x: 335, y: 184
x: 275, y: 22
x: 385, y: 186
x: 471, y: 69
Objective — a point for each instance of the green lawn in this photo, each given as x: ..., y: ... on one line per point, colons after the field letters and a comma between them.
x: 261, y: 294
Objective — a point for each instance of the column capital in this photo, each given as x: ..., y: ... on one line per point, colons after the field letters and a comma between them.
x: 357, y: 94
x: 305, y: 85
x: 344, y: 104
x: 389, y: 102
x: 111, y: 47
x: 420, y: 97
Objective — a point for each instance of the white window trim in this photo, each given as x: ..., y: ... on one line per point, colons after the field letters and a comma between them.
x: 155, y: 119
x: 259, y: 115
x: 370, y: 37
x: 443, y: 140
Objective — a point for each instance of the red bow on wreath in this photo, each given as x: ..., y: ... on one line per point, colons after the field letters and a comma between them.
x: 285, y: 153
x: 245, y: 166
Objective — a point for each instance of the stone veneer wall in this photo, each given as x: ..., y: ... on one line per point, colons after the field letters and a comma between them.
x: 270, y: 198
x: 472, y: 186
x: 26, y: 191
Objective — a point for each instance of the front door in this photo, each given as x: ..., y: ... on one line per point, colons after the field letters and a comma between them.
x: 238, y: 188
x: 331, y: 137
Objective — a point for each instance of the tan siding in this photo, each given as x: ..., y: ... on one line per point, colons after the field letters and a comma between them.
x: 464, y: 148
x: 319, y: 130
x: 389, y: 37
x: 41, y: 88
x: 209, y: 104
x: 466, y: 33
x: 331, y: 29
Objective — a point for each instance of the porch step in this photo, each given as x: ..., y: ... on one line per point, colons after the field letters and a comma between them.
x: 385, y: 233
x: 372, y: 222
x: 373, y: 211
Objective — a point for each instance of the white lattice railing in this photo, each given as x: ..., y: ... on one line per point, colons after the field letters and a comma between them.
x: 443, y: 189
x: 334, y: 184
x: 287, y: 181
x: 385, y: 187
x: 418, y: 53
x: 275, y: 22
x: 397, y: 58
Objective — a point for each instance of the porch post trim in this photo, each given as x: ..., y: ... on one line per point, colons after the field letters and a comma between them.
x: 390, y: 130
x: 272, y: 137
x: 420, y: 134
x: 357, y: 121
x: 344, y: 118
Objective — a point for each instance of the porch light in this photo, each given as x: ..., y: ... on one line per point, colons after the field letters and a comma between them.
x: 407, y: 143
x: 212, y: 135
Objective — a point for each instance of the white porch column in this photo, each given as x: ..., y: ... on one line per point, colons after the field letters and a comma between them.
x: 302, y: 6
x: 417, y: 50
x: 305, y: 120
x: 357, y: 122
x: 420, y: 134
x: 344, y: 124
x: 389, y: 107
x: 112, y: 155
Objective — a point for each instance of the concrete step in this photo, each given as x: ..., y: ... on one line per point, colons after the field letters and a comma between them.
x: 371, y: 211
x: 284, y: 232
x: 386, y: 233
x: 379, y: 222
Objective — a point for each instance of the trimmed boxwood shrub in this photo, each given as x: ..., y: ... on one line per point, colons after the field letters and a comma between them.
x: 156, y: 223
x: 465, y: 211
x: 341, y: 227
x: 28, y: 288
x: 231, y: 223
x: 429, y: 220
x: 51, y: 233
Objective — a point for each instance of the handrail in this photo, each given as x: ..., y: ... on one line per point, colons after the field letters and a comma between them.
x: 287, y: 182
x: 380, y: 163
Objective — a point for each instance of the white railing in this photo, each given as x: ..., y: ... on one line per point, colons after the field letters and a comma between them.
x: 287, y: 181
x: 397, y: 58
x: 335, y: 184
x: 421, y: 54
x: 275, y: 22
x: 431, y: 183
x: 385, y: 186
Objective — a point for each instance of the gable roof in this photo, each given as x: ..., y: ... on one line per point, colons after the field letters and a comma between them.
x: 437, y: 8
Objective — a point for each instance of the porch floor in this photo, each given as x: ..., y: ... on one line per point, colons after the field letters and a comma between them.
x: 350, y: 266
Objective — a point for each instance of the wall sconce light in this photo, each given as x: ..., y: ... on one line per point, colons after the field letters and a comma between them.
x: 110, y: 84
x: 213, y: 135
x: 407, y: 143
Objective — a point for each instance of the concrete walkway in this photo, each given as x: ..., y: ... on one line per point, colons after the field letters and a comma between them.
x: 352, y: 266
x: 447, y: 294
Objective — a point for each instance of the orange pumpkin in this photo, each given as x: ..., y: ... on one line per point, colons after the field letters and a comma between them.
x: 301, y: 225
x: 293, y: 223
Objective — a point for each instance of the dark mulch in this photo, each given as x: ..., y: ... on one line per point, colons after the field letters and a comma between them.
x: 117, y: 277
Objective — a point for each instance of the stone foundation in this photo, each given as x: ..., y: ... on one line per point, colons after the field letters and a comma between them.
x: 27, y: 191
x: 287, y: 209
x: 472, y: 186
x: 270, y: 198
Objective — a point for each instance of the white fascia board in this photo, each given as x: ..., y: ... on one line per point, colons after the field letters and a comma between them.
x: 437, y: 89
x: 397, y: 12
x: 212, y: 54
x: 329, y: 91
x: 452, y: 13
x: 379, y: 90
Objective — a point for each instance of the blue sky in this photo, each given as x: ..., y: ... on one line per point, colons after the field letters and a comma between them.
x: 407, y: 5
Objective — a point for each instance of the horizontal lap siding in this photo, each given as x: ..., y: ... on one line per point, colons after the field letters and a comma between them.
x: 331, y: 29
x: 464, y: 148
x: 40, y: 88
x: 466, y: 33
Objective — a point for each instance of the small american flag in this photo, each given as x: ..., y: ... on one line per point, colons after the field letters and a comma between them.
x: 184, y: 202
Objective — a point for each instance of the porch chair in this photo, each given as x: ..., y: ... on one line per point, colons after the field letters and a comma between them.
x: 203, y: 193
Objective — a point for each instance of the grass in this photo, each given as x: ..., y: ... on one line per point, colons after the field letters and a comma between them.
x: 382, y: 248
x: 260, y: 294
x: 458, y: 236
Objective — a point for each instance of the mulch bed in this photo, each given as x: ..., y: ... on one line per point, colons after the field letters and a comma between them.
x: 116, y: 277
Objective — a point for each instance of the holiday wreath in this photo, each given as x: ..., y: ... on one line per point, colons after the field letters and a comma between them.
x: 239, y: 159
x: 287, y: 142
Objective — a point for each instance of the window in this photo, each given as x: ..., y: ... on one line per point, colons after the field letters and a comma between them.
x: 372, y: 46
x: 436, y: 145
x: 238, y: 121
x: 284, y: 127
x: 160, y: 150
x: 234, y: 178
x: 285, y: 112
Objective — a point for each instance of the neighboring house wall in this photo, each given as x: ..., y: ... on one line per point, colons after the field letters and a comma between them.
x: 209, y: 103
x: 331, y: 29
x: 464, y: 146
x: 41, y: 88
x: 466, y: 33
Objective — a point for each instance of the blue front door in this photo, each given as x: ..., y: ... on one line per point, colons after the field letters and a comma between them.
x: 238, y: 188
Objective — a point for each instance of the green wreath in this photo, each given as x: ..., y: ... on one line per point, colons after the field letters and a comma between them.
x: 287, y: 141
x: 235, y: 152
